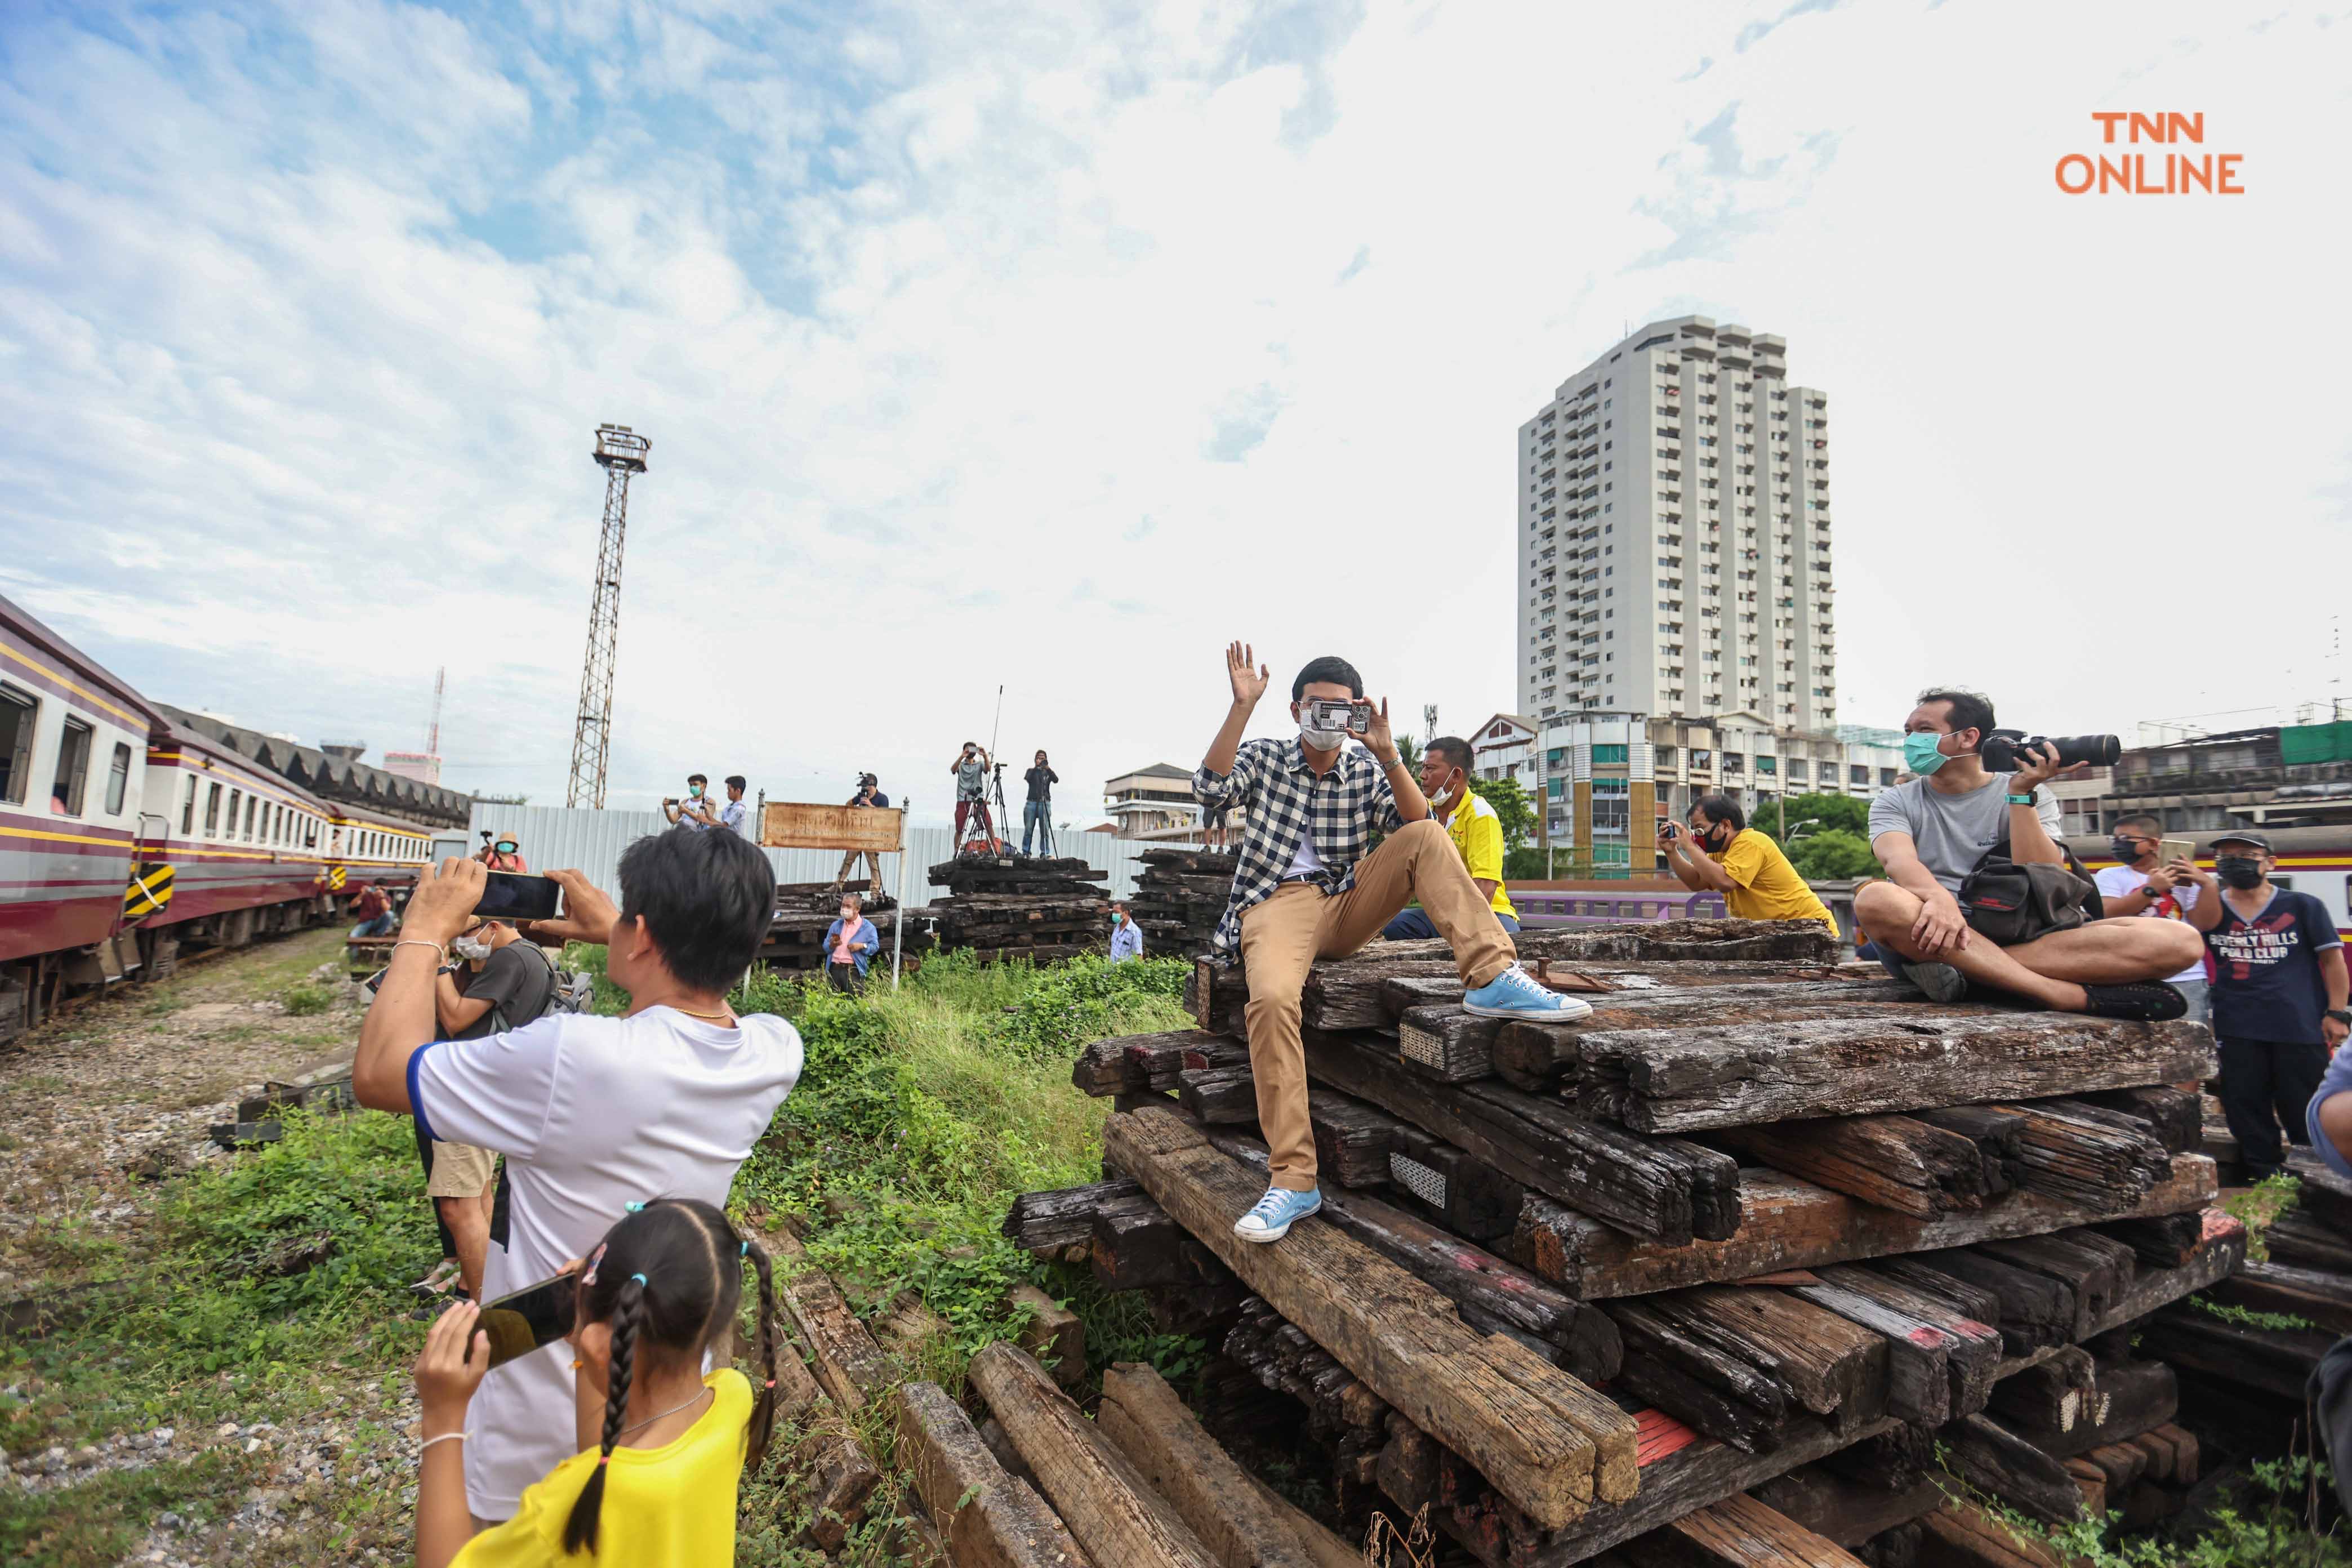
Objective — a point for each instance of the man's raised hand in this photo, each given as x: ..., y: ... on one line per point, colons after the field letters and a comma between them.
x: 1377, y: 739
x: 588, y: 915
x: 439, y: 908
x: 1249, y: 677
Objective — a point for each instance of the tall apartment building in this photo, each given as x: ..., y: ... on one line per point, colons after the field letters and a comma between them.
x: 1674, y: 530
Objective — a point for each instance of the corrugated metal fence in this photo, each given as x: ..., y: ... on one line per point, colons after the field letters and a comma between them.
x: 592, y: 841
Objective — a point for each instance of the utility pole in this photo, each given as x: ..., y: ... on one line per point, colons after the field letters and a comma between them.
x: 1428, y: 722
x: 433, y: 735
x: 621, y: 452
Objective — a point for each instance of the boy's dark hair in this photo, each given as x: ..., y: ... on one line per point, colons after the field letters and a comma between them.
x: 2155, y: 826
x: 707, y: 898
x: 696, y: 778
x: 735, y: 781
x: 1452, y: 748
x: 1330, y: 668
x: 669, y: 1280
x: 1721, y: 808
x: 1970, y: 709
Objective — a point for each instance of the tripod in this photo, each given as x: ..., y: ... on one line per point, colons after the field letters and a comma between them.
x: 980, y: 835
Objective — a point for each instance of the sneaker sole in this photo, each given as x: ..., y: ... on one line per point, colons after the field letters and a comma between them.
x: 1568, y: 1014
x: 1276, y: 1235
x: 1949, y: 985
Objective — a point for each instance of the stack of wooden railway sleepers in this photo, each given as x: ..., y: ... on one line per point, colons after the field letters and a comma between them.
x: 1036, y: 906
x: 1760, y: 1213
x: 1180, y: 896
x: 795, y: 943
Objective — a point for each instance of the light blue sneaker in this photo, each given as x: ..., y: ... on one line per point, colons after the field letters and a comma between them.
x: 1515, y: 993
x: 1275, y: 1213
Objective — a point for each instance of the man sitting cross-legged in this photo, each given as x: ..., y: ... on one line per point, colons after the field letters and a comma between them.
x: 1930, y: 831
x: 1305, y: 889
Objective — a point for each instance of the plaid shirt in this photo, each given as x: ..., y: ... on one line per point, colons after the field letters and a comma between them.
x: 1284, y: 797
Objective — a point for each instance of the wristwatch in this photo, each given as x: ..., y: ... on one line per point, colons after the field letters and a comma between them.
x: 2021, y: 800
x: 2341, y: 1015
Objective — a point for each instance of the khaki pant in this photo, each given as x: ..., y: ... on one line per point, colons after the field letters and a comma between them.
x: 873, y: 867
x: 1283, y: 937
x: 460, y: 1171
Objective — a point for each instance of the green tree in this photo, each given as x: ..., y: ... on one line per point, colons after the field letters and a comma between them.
x: 1409, y: 752
x: 1512, y: 805
x: 1827, y: 855
x: 1831, y: 813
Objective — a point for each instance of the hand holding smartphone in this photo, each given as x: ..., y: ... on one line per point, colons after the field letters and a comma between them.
x: 531, y: 1318
x: 511, y: 896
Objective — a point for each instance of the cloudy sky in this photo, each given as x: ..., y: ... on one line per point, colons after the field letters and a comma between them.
x: 1053, y: 346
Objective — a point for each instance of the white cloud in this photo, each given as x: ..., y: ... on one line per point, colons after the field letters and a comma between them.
x: 986, y: 344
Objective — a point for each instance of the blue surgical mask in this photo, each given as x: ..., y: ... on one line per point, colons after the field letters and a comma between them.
x: 1920, y: 753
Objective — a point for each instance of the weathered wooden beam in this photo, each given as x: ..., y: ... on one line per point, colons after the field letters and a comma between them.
x: 2175, y: 1116
x: 987, y: 1518
x: 1792, y: 1223
x: 1102, y: 1499
x: 1962, y: 1535
x: 2275, y: 1361
x: 1243, y: 1524
x: 1043, y: 1221
x: 1992, y: 1458
x: 1895, y: 1162
x: 1738, y: 1533
x: 1847, y: 1511
x: 2307, y: 1243
x: 1545, y: 1440
x: 1666, y: 1189
x: 1463, y: 1193
x: 2083, y: 1153
x: 2167, y: 1241
x: 1449, y: 1044
x: 1135, y: 1247
x: 1970, y: 1346
x: 1998, y: 1135
x: 1056, y: 1336
x: 1218, y: 1095
x: 2036, y: 1311
x: 1664, y: 1080
x: 2053, y: 1395
x: 1829, y: 1365
x: 2130, y: 1397
x: 849, y: 1365
x: 2097, y: 1269
x: 2321, y: 1299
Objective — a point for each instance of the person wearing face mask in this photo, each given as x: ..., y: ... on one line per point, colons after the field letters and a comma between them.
x: 1476, y: 832
x: 849, y: 945
x: 1037, y: 811
x: 1126, y: 936
x: 971, y: 771
x: 1720, y: 853
x: 1305, y: 887
x: 694, y: 811
x: 2139, y: 886
x: 499, y: 982
x: 504, y: 853
x: 1931, y: 830
x: 2279, y: 999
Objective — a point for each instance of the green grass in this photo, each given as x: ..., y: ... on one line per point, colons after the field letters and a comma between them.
x: 95, y: 1522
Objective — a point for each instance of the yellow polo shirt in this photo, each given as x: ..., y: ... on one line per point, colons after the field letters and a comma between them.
x: 1765, y: 887
x: 1478, y: 834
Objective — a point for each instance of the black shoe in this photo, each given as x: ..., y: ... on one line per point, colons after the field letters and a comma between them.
x: 1941, y: 982
x: 2149, y: 1002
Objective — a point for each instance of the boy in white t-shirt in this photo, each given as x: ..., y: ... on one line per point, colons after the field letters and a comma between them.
x: 593, y: 1114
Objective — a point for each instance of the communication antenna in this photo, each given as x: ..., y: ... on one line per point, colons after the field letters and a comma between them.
x: 1428, y: 721
x: 621, y: 452
x: 433, y: 735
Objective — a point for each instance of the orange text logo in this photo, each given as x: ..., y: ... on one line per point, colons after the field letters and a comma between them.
x: 2150, y: 173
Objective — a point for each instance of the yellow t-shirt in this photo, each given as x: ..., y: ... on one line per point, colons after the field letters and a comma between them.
x: 1765, y: 885
x: 671, y: 1507
x: 1477, y: 833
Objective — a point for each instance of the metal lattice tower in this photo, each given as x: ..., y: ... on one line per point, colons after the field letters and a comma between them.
x: 622, y: 452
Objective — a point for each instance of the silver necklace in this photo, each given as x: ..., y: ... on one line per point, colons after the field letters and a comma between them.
x: 659, y: 1414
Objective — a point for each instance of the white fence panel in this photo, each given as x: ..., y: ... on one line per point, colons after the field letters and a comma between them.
x: 552, y: 837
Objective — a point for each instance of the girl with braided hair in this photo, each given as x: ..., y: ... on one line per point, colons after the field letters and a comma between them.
x: 663, y: 1445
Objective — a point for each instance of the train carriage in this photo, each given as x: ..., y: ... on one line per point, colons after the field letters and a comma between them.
x: 125, y: 834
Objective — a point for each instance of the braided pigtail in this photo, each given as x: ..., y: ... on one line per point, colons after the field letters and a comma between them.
x: 763, y: 1406
x: 628, y: 1316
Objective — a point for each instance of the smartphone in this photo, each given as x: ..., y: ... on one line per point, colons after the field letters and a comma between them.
x: 511, y: 896
x: 2167, y: 850
x: 537, y: 1315
x: 1336, y: 713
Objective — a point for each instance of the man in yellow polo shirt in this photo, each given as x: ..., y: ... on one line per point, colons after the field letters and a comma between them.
x: 1720, y: 853
x: 1476, y: 832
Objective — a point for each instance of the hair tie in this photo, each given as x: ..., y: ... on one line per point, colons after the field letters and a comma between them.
x: 742, y: 1250
x: 604, y: 1459
x: 634, y: 1208
x: 638, y: 1277
x: 770, y: 1383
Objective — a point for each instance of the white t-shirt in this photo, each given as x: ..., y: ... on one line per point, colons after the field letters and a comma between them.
x: 593, y: 1114
x: 731, y: 816
x: 1305, y: 861
x: 2117, y: 880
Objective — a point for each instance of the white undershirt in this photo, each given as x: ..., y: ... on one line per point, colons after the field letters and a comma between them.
x: 1304, y: 861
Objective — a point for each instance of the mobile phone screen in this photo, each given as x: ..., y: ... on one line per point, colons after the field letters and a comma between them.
x: 522, y: 1322
x: 511, y: 896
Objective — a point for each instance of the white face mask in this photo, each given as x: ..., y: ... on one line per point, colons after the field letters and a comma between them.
x: 468, y: 947
x: 1321, y: 740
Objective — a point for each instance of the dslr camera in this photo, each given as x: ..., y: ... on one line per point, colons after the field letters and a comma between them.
x: 1337, y: 713
x: 1999, y: 748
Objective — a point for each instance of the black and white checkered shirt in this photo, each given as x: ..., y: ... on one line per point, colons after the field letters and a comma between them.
x: 1283, y: 797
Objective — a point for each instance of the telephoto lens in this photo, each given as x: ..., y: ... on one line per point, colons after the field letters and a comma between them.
x: 2000, y: 749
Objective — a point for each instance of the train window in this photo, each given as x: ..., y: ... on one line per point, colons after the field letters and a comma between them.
x: 211, y: 811
x: 252, y: 806
x: 2278, y: 881
x: 235, y: 799
x: 17, y: 711
x: 73, y: 769
x: 118, y: 779
x: 188, y: 807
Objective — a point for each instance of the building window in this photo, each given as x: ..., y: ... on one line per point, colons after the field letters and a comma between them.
x: 17, y: 711
x: 1886, y: 778
x: 1665, y: 756
x: 73, y: 768
x: 1604, y: 754
x: 1767, y: 764
x: 1701, y: 757
x: 1858, y: 775
x: 118, y: 779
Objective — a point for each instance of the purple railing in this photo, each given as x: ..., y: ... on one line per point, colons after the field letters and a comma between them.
x: 1540, y: 907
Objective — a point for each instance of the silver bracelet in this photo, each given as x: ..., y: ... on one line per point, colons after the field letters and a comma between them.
x: 445, y: 1437
x: 416, y: 942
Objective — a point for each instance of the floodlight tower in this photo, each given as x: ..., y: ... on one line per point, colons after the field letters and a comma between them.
x: 622, y: 452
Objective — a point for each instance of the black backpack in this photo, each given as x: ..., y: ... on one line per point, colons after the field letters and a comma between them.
x: 568, y: 990
x: 2007, y: 902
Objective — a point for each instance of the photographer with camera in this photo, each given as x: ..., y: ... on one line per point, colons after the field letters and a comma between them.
x: 593, y: 1114
x: 1037, y: 811
x: 502, y: 852
x: 1720, y: 853
x: 971, y: 770
x: 694, y: 811
x: 869, y: 797
x: 1975, y: 806
x: 1306, y: 888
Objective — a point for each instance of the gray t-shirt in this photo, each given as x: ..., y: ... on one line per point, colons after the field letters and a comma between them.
x: 969, y: 777
x: 1953, y: 831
